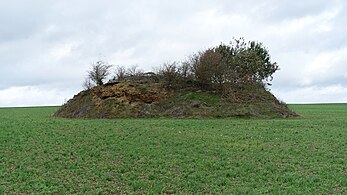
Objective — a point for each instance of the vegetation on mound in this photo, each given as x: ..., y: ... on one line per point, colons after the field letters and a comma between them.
x: 136, y: 100
x: 235, y: 77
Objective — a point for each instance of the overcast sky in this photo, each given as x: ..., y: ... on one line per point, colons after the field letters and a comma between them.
x: 46, y: 46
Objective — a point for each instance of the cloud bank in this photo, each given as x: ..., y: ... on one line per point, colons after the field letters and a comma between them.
x: 47, y: 46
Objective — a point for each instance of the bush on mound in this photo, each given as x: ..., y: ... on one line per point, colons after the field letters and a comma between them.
x: 223, y: 81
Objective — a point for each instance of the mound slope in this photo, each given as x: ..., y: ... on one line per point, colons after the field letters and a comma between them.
x: 152, y: 100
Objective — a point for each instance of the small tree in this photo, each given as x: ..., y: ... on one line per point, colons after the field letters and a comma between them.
x: 120, y: 73
x: 251, y: 61
x: 186, y: 71
x: 170, y: 75
x: 208, y: 68
x: 134, y: 71
x: 99, y: 72
x: 88, y: 84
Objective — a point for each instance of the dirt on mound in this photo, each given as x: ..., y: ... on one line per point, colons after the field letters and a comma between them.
x: 148, y: 100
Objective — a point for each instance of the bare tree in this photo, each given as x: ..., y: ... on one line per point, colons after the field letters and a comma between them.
x: 120, y: 73
x: 99, y: 72
x: 134, y: 71
x: 169, y: 73
x: 88, y: 84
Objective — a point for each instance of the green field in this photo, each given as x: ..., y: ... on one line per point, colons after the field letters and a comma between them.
x: 42, y: 154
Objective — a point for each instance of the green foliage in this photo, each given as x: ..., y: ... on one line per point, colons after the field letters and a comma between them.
x: 238, y: 64
x: 207, y: 67
x: 40, y: 154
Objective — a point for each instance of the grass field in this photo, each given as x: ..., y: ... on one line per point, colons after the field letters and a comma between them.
x: 42, y: 154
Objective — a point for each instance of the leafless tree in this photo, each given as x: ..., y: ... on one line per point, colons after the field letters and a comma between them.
x: 134, y: 71
x: 120, y: 73
x: 88, y: 84
x: 99, y: 72
x: 169, y: 73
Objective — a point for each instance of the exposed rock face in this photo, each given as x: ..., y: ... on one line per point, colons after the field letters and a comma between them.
x: 144, y: 100
x: 112, y: 101
x: 131, y: 93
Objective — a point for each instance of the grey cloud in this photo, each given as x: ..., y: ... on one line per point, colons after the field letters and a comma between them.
x: 314, y: 94
x: 54, y: 42
x: 287, y: 9
x: 20, y: 20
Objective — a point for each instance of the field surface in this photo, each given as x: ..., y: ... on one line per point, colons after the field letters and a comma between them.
x: 43, y: 154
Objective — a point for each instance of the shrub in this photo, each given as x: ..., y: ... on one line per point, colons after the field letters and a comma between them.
x: 169, y: 74
x: 223, y: 68
x: 99, y: 72
x: 239, y: 63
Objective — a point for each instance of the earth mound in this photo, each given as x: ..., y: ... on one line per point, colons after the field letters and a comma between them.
x: 151, y: 100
